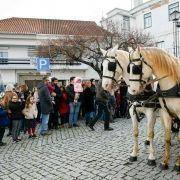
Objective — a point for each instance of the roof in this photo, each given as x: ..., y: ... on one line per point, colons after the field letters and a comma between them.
x: 16, y: 25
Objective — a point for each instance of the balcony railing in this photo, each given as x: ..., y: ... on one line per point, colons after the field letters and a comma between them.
x: 9, y: 61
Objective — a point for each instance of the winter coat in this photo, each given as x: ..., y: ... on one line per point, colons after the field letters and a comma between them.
x: 102, y: 95
x: 88, y: 100
x: 4, y: 120
x: 58, y: 92
x: 15, y: 110
x: 63, y: 106
x: 70, y: 93
x: 30, y: 112
x: 44, y: 98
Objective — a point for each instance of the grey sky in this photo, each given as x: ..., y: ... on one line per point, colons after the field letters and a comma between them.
x: 61, y: 9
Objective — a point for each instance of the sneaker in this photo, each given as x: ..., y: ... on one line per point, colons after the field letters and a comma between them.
x: 109, y: 129
x: 46, y: 133
x: 30, y: 136
x: 18, y: 139
x: 2, y: 144
x: 14, y: 141
x: 34, y: 136
x: 91, y: 127
x: 75, y: 125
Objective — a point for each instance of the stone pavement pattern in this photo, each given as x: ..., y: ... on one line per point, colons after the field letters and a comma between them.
x: 81, y: 154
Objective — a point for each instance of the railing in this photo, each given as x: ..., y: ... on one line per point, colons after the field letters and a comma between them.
x: 9, y: 61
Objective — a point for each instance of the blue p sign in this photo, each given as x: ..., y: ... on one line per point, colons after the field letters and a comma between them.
x: 43, y: 64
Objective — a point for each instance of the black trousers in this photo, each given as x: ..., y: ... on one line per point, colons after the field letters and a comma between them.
x: 102, y: 111
x: 2, y: 131
x: 53, y: 119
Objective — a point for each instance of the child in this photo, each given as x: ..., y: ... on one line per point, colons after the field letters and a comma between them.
x: 16, y: 116
x: 77, y: 88
x: 30, y: 112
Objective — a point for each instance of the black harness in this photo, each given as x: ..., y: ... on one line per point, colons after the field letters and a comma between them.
x: 112, y: 67
x: 137, y: 69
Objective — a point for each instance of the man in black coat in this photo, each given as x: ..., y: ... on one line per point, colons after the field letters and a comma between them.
x: 45, y: 104
x: 53, y: 121
x: 102, y: 98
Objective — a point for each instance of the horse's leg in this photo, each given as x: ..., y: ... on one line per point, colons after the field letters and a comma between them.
x: 151, y: 120
x: 177, y: 163
x: 167, y: 124
x: 133, y: 156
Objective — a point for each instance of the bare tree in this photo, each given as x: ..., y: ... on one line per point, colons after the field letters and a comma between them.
x: 86, y: 50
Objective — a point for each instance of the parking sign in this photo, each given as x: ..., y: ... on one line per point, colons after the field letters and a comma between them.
x: 43, y: 64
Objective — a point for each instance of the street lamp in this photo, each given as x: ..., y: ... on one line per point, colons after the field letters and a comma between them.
x: 175, y: 16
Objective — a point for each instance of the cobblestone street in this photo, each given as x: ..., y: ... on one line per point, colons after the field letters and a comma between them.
x: 79, y: 153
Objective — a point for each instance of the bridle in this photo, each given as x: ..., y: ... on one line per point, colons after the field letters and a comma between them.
x: 137, y: 69
x: 112, y: 67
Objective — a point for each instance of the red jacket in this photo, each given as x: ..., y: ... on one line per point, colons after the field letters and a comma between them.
x: 63, y: 106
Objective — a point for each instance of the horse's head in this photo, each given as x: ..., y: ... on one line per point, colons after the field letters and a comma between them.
x: 111, y: 68
x: 139, y: 72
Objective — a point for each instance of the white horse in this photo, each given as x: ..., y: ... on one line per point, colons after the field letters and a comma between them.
x: 166, y: 69
x: 114, y: 67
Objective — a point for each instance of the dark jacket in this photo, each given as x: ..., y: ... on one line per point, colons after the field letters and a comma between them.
x: 88, y: 100
x: 101, y: 95
x: 44, y: 98
x: 70, y: 93
x: 16, y: 110
x: 4, y: 120
x: 58, y: 92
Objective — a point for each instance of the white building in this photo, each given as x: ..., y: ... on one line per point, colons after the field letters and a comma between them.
x: 149, y: 16
x: 19, y: 37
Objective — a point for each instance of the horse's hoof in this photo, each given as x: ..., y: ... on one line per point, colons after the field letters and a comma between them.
x: 164, y: 166
x: 151, y: 162
x: 133, y: 158
x: 147, y: 143
x: 177, y: 168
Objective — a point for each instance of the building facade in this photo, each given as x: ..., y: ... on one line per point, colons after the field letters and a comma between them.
x: 152, y: 17
x: 19, y: 37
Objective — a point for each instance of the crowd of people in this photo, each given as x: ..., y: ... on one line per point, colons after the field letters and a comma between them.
x: 53, y: 106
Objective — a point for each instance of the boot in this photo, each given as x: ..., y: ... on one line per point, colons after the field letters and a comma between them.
x: 106, y: 126
x: 91, y: 125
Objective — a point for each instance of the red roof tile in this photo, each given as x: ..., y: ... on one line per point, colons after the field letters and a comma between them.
x: 49, y: 26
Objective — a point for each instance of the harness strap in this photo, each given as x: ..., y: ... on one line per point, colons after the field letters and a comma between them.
x: 167, y: 109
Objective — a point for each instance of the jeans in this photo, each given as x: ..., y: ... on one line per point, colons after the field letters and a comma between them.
x: 89, y: 116
x: 74, y: 112
x: 44, y: 123
x: 102, y: 111
x: 16, y: 126
x: 2, y: 131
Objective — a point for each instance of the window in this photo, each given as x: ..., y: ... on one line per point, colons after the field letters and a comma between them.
x: 147, y: 20
x: 160, y: 44
x: 126, y: 23
x: 3, y: 57
x: 173, y: 7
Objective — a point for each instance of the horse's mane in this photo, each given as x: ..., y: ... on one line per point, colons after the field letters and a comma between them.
x: 162, y: 62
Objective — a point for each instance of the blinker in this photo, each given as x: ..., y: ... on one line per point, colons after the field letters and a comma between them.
x: 136, y: 69
x: 112, y: 66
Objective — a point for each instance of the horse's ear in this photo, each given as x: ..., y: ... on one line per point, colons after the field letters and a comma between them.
x: 114, y: 49
x: 104, y: 52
